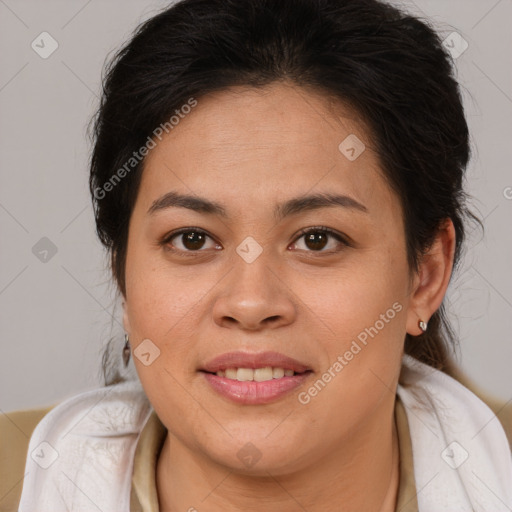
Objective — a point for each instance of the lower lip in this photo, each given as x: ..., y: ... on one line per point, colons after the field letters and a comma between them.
x: 255, y: 393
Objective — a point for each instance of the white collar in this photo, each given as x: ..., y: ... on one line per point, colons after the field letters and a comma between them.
x: 461, y: 456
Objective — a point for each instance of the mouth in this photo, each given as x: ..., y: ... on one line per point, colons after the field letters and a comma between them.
x: 253, y: 379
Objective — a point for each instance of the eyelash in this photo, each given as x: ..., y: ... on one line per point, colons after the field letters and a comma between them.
x: 315, y: 229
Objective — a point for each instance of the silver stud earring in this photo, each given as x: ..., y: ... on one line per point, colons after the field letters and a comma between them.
x: 126, y: 350
x: 422, y: 325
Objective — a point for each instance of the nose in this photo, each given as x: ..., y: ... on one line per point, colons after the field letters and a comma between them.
x: 254, y: 297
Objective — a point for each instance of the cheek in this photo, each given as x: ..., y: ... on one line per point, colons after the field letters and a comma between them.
x: 157, y: 297
x: 371, y: 290
x: 363, y: 345
x: 363, y: 324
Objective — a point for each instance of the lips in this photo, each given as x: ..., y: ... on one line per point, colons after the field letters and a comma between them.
x: 254, y: 378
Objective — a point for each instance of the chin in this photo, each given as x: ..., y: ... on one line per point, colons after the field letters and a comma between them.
x: 257, y: 456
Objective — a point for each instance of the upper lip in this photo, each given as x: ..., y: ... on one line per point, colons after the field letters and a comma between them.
x: 254, y: 360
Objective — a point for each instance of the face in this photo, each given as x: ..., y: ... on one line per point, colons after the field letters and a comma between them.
x: 251, y: 267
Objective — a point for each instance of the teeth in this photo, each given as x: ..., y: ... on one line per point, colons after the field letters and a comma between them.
x: 244, y: 374
x: 231, y: 373
x: 277, y: 373
x: 257, y: 375
x: 262, y: 374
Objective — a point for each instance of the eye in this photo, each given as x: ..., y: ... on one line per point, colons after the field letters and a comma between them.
x: 192, y: 240
x: 188, y: 240
x: 317, y: 238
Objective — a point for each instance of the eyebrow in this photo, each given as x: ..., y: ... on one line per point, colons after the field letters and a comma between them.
x: 290, y: 207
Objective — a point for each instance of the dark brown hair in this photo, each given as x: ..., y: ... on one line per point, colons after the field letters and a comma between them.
x: 389, y: 66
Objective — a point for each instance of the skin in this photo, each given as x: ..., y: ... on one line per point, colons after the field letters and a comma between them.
x: 250, y: 149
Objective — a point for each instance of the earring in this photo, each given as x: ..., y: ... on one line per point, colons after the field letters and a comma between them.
x: 422, y: 325
x: 126, y: 350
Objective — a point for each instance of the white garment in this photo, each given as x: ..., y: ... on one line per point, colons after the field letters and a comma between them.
x: 461, y: 456
x: 80, y: 455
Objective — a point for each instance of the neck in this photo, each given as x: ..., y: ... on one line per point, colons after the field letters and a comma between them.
x: 362, y: 474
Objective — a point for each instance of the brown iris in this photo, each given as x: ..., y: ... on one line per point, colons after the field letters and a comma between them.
x: 316, y: 241
x: 193, y: 240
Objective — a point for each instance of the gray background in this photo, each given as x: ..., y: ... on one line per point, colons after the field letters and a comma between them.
x: 57, y: 314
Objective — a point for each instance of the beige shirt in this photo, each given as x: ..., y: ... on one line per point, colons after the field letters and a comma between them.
x: 16, y: 429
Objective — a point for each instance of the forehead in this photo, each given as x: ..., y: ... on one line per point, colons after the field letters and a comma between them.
x: 243, y: 145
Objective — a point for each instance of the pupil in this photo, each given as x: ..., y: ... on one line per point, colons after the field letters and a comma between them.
x: 316, y: 240
x: 193, y: 240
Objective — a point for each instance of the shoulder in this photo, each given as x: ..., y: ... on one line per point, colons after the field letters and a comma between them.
x: 105, y: 421
x: 502, y: 409
x: 15, y: 431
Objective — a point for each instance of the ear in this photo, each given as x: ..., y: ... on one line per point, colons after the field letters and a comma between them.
x: 432, y: 278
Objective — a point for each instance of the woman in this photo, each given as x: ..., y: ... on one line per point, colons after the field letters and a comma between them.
x: 279, y: 185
